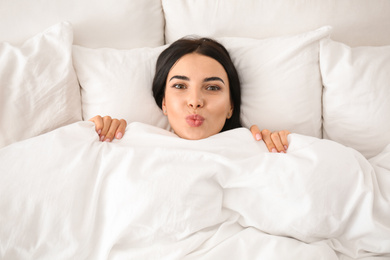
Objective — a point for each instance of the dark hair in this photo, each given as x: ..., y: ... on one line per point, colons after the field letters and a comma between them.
x: 207, y: 47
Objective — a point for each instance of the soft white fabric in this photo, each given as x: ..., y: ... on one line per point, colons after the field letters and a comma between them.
x: 39, y: 91
x: 356, y: 98
x: 118, y: 83
x: 277, y: 93
x: 120, y: 24
x: 153, y: 195
x: 281, y: 81
x: 355, y: 22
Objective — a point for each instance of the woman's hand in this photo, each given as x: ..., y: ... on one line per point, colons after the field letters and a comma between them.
x: 276, y: 141
x: 108, y: 128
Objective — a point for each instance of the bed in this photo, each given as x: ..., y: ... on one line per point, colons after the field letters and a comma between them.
x: 317, y: 68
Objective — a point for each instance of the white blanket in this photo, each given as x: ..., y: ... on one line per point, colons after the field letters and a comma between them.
x: 152, y: 195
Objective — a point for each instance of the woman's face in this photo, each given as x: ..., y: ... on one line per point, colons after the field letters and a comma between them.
x: 197, y: 97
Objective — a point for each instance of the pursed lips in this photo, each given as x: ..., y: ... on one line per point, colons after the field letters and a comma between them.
x: 194, y: 120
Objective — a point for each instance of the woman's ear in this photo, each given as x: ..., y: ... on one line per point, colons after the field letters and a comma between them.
x: 230, y: 114
x: 164, y: 107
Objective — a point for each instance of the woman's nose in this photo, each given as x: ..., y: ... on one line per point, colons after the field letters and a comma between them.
x: 195, y: 100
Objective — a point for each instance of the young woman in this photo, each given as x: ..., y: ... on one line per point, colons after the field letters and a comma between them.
x: 198, y: 88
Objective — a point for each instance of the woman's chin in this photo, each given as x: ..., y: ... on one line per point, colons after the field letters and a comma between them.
x: 194, y: 135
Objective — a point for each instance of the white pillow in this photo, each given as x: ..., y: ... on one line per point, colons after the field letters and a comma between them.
x: 281, y: 83
x: 39, y: 91
x: 96, y: 24
x: 118, y: 83
x: 358, y: 22
x: 356, y: 96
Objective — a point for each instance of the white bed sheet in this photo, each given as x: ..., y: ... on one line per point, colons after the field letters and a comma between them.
x: 152, y: 195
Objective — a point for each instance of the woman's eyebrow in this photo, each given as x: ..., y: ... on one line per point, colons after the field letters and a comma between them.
x: 180, y: 77
x: 205, y: 80
x: 213, y: 79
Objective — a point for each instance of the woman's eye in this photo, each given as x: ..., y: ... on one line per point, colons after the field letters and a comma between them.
x: 179, y: 86
x: 213, y: 88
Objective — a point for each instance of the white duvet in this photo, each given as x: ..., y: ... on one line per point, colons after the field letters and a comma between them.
x: 152, y: 195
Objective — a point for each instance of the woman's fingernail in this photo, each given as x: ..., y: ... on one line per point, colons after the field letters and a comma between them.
x: 258, y: 137
x: 102, y: 138
x: 285, y: 147
x: 274, y: 150
x: 107, y: 140
x: 119, y: 135
x: 100, y: 131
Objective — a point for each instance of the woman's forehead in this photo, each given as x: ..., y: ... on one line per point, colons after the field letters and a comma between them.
x: 197, y: 65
